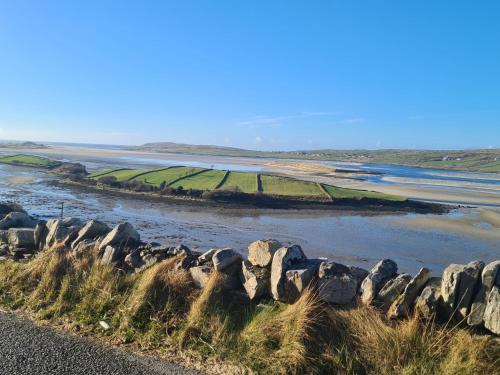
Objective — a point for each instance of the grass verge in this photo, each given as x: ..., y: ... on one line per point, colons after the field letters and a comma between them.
x: 159, y: 309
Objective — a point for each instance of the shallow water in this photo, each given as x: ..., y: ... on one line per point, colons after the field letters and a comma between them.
x: 347, y: 237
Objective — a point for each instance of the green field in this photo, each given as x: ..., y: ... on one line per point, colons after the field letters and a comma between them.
x: 121, y: 174
x: 167, y: 175
x: 339, y: 193
x: 276, y: 185
x: 245, y: 182
x: 29, y: 160
x: 206, y: 180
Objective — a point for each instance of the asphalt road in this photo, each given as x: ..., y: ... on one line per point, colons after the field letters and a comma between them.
x: 29, y: 349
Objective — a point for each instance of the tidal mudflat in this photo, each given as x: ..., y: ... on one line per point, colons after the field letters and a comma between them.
x: 350, y: 237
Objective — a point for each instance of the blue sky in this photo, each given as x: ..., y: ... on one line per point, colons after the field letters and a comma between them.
x: 255, y: 74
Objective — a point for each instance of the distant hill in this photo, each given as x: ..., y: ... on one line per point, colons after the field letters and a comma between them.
x: 21, y: 145
x: 481, y: 160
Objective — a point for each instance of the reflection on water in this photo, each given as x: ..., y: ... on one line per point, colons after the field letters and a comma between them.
x: 347, y: 237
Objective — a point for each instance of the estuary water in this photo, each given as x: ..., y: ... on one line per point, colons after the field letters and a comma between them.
x: 355, y: 238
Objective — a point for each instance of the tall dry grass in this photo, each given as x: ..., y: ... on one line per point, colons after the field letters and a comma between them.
x: 159, y: 308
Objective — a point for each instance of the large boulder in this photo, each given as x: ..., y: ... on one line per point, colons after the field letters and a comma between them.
x: 429, y: 301
x: 338, y: 284
x: 91, y: 230
x: 256, y: 280
x: 391, y: 291
x: 122, y: 235
x: 200, y: 275
x: 61, y: 231
x: 298, y: 278
x: 22, y: 238
x: 458, y: 286
x: 378, y: 276
x: 283, y: 260
x: 17, y: 220
x: 224, y: 258
x: 111, y: 255
x: 492, y: 311
x: 260, y: 253
x: 41, y: 233
x: 404, y: 303
x: 489, y: 278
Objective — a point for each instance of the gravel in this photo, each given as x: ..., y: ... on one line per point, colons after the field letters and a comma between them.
x: 29, y: 349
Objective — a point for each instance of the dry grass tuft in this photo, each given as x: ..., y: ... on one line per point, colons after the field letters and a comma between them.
x: 279, y: 338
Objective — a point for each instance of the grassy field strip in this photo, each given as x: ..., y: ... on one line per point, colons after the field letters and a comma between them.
x: 204, y: 180
x: 325, y: 192
x: 223, y: 180
x: 201, y: 170
x: 106, y: 172
x: 277, y: 185
x: 169, y: 176
x: 339, y: 193
x: 28, y: 160
x: 125, y: 174
x: 151, y: 171
x: 244, y: 182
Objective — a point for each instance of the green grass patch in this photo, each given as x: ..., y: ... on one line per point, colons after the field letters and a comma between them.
x: 277, y: 185
x: 244, y: 182
x: 207, y: 180
x: 339, y: 193
x: 29, y: 160
x: 121, y: 174
x: 166, y: 175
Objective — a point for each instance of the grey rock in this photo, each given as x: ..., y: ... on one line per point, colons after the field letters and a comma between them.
x: 255, y: 280
x: 110, y: 255
x: 17, y: 220
x: 21, y: 238
x: 339, y: 290
x: 489, y: 278
x: 491, y: 274
x: 260, y: 253
x: 60, y: 231
x: 41, y: 232
x: 85, y: 247
x: 492, y: 311
x: 283, y: 260
x: 207, y: 256
x: 122, y: 235
x: 200, y: 275
x: 134, y: 259
x: 458, y: 287
x: 181, y: 250
x: 379, y: 274
x: 359, y: 273
x: 401, y: 308
x: 427, y: 304
x: 391, y: 291
x: 91, y: 230
x: 224, y: 258
x: 298, y: 278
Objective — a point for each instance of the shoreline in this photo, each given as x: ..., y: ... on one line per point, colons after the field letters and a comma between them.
x: 367, y: 205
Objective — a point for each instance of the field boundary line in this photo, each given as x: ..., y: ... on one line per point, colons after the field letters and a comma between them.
x: 189, y: 175
x: 259, y: 183
x: 222, y: 180
x: 151, y: 171
x: 323, y: 189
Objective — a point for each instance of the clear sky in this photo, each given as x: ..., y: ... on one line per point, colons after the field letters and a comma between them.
x: 255, y: 74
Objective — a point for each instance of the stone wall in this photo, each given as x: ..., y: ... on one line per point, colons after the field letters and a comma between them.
x: 465, y: 294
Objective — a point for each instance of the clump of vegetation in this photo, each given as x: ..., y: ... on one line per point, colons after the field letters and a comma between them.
x: 29, y: 161
x: 159, y: 308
